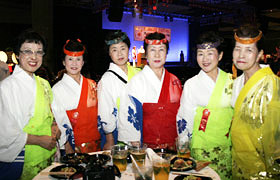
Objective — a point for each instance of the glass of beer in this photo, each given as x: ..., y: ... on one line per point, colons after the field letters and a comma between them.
x: 139, y: 154
x: 146, y: 172
x: 161, y: 168
x: 119, y: 154
x: 183, y: 147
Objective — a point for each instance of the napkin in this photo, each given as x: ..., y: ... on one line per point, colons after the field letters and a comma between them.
x: 151, y: 156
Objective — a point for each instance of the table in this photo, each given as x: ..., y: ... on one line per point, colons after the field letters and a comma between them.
x: 128, y: 175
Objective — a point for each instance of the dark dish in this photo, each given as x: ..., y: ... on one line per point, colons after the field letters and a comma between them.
x: 191, y: 177
x: 165, y: 153
x: 73, y: 172
x: 182, y: 164
x: 100, y: 159
x: 75, y: 158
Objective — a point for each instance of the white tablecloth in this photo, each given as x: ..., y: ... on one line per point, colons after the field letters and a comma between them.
x: 128, y: 175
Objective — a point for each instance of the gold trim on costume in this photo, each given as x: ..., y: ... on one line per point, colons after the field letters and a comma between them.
x: 248, y: 40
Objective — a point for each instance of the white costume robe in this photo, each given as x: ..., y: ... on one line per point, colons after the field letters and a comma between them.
x: 66, y: 96
x: 110, y: 88
x: 17, y: 92
x: 197, y: 92
x: 146, y: 88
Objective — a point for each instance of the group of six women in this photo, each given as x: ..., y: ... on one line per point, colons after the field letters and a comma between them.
x: 232, y: 123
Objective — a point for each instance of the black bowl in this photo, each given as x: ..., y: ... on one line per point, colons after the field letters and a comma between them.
x: 165, y: 153
x: 181, y: 177
x: 75, y: 158
x: 99, y: 159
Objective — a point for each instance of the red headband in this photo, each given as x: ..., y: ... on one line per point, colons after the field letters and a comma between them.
x: 73, y: 53
x: 155, y: 41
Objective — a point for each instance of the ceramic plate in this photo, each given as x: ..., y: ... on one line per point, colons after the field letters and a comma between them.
x: 182, y: 164
x: 67, y: 168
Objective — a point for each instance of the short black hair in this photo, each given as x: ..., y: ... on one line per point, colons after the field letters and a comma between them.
x: 74, y: 46
x: 156, y: 36
x: 29, y: 36
x: 250, y: 31
x: 211, y: 37
x: 117, y: 35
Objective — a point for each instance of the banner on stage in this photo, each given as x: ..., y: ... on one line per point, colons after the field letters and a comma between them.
x: 140, y: 32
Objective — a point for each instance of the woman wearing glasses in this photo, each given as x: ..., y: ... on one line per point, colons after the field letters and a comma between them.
x: 27, y: 134
x: 75, y: 103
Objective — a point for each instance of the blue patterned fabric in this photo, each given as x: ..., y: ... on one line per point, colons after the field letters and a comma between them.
x: 135, y: 115
x: 69, y: 135
x: 102, y: 132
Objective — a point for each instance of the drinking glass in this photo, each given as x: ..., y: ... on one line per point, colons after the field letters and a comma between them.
x: 139, y: 154
x: 161, y: 167
x: 146, y: 171
x: 119, y: 154
x: 183, y: 147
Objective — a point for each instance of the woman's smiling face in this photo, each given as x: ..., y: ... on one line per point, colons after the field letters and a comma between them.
x: 156, y: 55
x: 246, y: 56
x: 208, y: 59
x: 30, y: 56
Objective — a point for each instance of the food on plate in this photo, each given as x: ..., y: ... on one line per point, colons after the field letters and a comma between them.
x: 192, y: 178
x: 181, y: 164
x: 68, y: 169
x: 75, y: 158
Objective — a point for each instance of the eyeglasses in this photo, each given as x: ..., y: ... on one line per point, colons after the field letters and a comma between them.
x: 30, y: 53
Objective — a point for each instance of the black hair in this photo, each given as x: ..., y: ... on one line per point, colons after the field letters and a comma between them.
x: 156, y: 36
x: 74, y: 46
x: 211, y: 37
x: 29, y: 36
x: 116, y: 36
x: 250, y: 31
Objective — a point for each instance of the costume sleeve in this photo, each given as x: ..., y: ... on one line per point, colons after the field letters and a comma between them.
x: 185, y: 114
x: 131, y: 114
x: 271, y: 130
x: 107, y: 107
x: 62, y: 120
x: 12, y: 136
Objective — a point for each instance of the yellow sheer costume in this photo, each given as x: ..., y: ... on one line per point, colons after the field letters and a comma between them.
x: 256, y: 128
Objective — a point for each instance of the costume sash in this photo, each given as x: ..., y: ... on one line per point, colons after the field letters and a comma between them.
x: 84, y: 119
x: 255, y: 128
x: 159, y: 119
x: 219, y: 120
x: 40, y: 124
x: 215, y: 130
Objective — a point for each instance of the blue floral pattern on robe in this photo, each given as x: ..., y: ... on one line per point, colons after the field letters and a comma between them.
x: 135, y: 114
x: 69, y: 135
x: 181, y: 124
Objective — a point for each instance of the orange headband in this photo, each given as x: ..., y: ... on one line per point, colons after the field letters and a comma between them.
x: 248, y: 40
x: 73, y: 53
x: 155, y: 41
